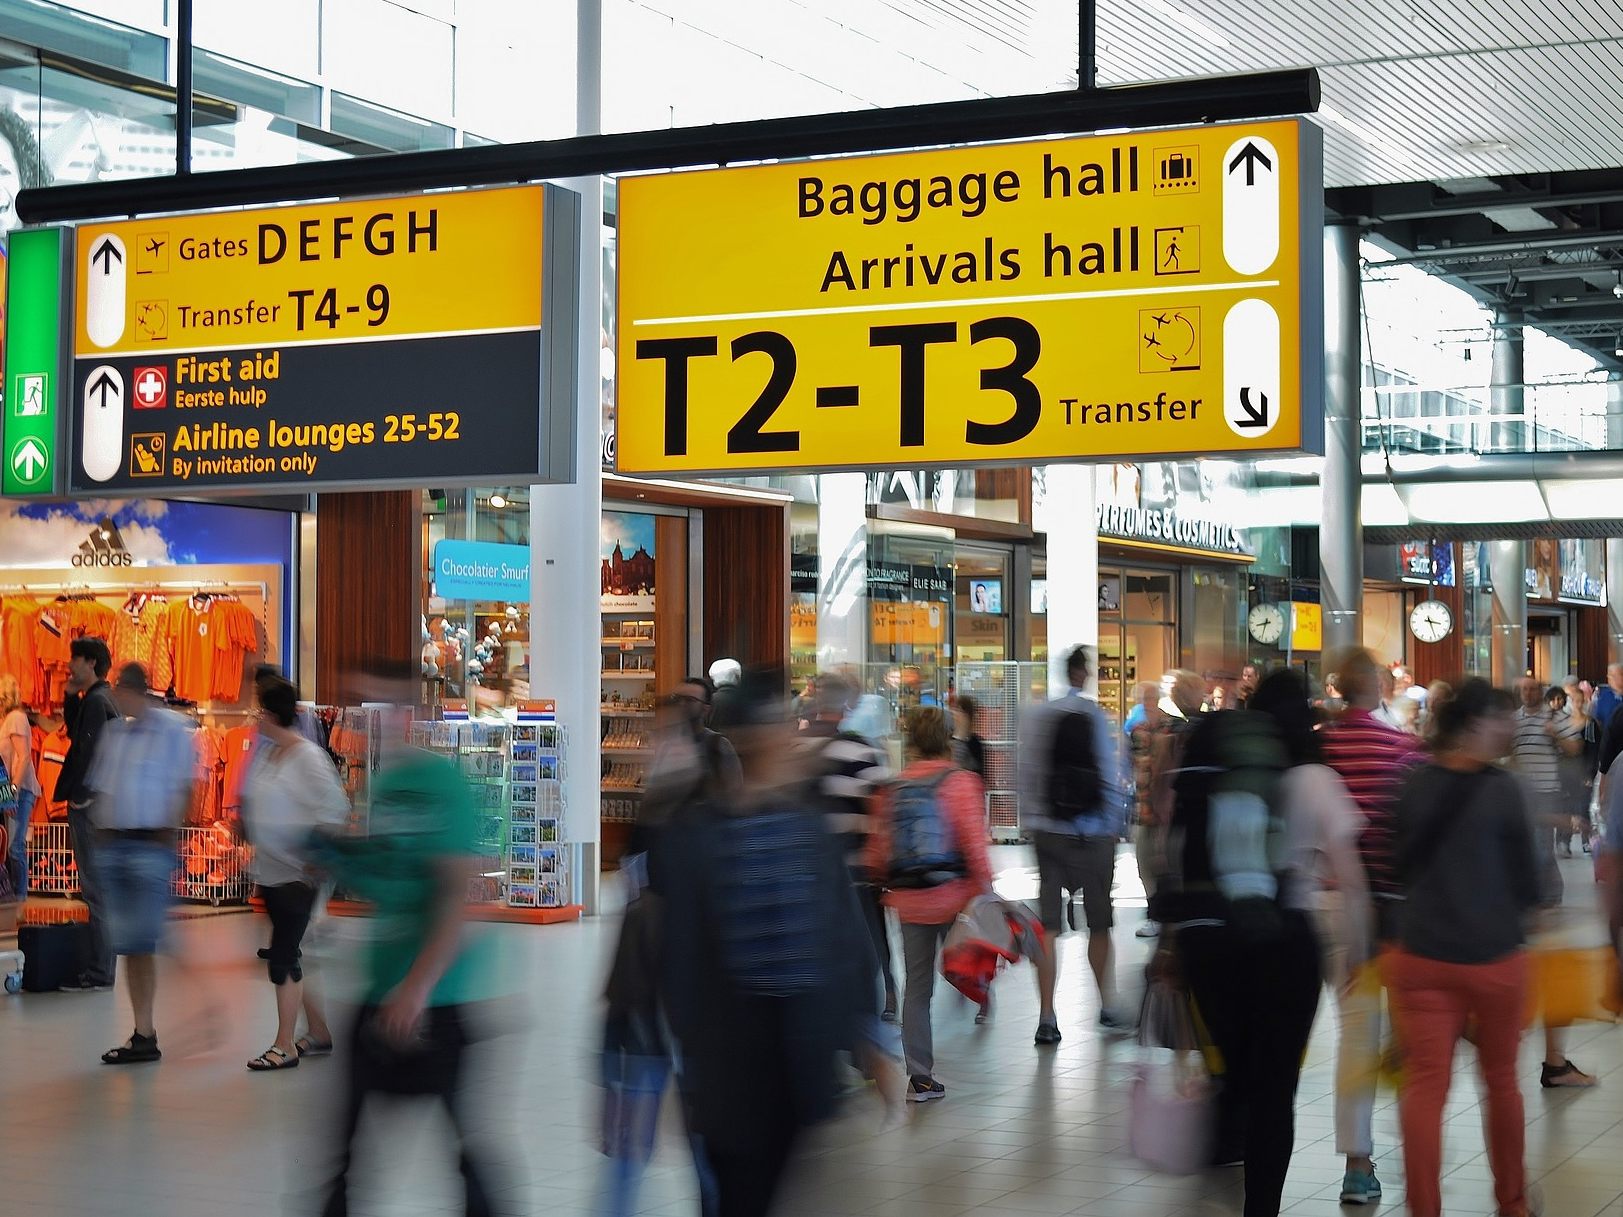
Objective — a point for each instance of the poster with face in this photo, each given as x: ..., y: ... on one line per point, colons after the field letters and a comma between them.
x: 1544, y: 580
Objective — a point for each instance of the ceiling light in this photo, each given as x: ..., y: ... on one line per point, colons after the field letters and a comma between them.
x: 105, y: 535
x: 1483, y: 145
x: 1193, y: 24
x: 1367, y: 134
x: 1617, y: 288
x: 1619, y: 351
x: 498, y: 501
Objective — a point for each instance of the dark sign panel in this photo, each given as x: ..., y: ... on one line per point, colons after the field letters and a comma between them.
x: 356, y: 344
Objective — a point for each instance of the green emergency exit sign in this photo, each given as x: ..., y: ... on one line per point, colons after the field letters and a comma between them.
x: 34, y: 324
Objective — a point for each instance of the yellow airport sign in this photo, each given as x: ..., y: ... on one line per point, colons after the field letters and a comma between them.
x: 329, y: 272
x: 1156, y: 293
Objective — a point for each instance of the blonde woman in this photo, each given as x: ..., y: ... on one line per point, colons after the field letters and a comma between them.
x: 17, y: 751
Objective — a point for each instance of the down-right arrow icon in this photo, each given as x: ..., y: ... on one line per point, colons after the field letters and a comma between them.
x: 1253, y: 416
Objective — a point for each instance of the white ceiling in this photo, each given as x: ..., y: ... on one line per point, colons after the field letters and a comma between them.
x: 1413, y: 89
x: 1424, y: 89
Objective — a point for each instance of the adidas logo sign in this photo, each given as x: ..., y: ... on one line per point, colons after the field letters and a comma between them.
x: 105, y: 547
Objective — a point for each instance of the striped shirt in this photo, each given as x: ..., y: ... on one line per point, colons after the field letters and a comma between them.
x: 1372, y: 760
x: 850, y: 771
x: 1533, y: 751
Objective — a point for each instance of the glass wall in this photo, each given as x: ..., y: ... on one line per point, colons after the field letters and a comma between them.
x: 1138, y: 631
x: 910, y: 592
x: 983, y: 604
x: 476, y: 596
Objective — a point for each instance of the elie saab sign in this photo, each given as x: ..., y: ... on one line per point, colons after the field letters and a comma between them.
x: 1164, y: 526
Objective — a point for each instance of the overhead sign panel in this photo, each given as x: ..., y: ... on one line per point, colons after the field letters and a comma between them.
x: 1150, y: 294
x: 30, y: 428
x: 386, y: 341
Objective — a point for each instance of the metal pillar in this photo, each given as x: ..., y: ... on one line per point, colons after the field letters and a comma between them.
x: 1506, y: 384
x: 1341, y: 530
x: 566, y: 521
x: 1614, y: 599
x: 183, y: 88
x: 1507, y: 567
x: 1073, y: 568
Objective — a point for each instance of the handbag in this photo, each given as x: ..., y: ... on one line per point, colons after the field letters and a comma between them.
x: 1172, y: 1116
x: 8, y: 790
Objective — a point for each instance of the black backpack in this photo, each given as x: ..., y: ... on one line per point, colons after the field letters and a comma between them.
x: 1228, y: 831
x: 1075, y: 783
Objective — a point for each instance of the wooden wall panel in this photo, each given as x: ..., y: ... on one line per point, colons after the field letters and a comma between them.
x: 670, y: 602
x: 1445, y: 660
x: 368, y: 567
x: 746, y: 585
x: 1591, y: 644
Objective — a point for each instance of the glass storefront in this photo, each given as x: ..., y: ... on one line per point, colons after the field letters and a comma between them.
x: 1138, y: 631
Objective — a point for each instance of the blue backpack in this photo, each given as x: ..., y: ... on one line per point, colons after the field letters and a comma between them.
x: 922, y: 851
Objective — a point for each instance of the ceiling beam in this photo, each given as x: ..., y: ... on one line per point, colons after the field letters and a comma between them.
x: 1506, y: 247
x: 1464, y: 204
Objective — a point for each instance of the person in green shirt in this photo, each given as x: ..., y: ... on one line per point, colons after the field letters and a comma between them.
x: 430, y: 978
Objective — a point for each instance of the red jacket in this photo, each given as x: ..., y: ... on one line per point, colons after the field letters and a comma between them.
x: 963, y: 802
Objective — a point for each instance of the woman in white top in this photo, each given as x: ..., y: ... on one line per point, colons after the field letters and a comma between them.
x: 290, y: 790
x: 17, y: 751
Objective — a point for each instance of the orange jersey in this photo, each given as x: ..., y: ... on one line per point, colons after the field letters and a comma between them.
x: 19, y: 652
x: 239, y: 749
x: 236, y: 636
x: 192, y: 647
x: 208, y: 788
x: 133, y: 638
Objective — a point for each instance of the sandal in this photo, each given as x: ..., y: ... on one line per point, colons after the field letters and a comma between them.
x: 274, y: 1058
x: 137, y: 1050
x: 305, y: 1046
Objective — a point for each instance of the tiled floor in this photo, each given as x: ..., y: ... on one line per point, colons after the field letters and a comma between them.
x: 1023, y: 1132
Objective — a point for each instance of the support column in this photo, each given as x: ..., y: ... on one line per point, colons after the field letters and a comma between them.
x: 1507, y: 567
x: 1614, y: 600
x: 1073, y: 568
x: 565, y: 521
x: 842, y: 570
x: 1614, y: 545
x: 1506, y: 381
x: 1341, y: 528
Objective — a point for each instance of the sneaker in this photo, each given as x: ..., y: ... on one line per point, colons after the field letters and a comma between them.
x: 925, y: 1090
x: 1361, y: 1187
x: 1565, y: 1074
x: 984, y: 1014
x: 85, y: 984
x: 1149, y: 929
x: 1047, y: 1034
x: 888, y: 1015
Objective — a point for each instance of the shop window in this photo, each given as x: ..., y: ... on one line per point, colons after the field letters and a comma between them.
x: 910, y: 641
x: 476, y: 597
x: 982, y: 605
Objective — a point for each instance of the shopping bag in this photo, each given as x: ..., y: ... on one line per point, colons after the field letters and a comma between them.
x: 1570, y: 985
x: 1172, y: 1112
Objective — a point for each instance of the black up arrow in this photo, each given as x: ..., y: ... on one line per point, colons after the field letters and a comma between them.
x: 1255, y: 416
x: 105, y: 253
x: 1250, y: 156
x: 102, y: 386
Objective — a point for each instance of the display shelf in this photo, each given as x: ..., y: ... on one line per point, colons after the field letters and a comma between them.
x: 609, y: 711
x: 628, y: 643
